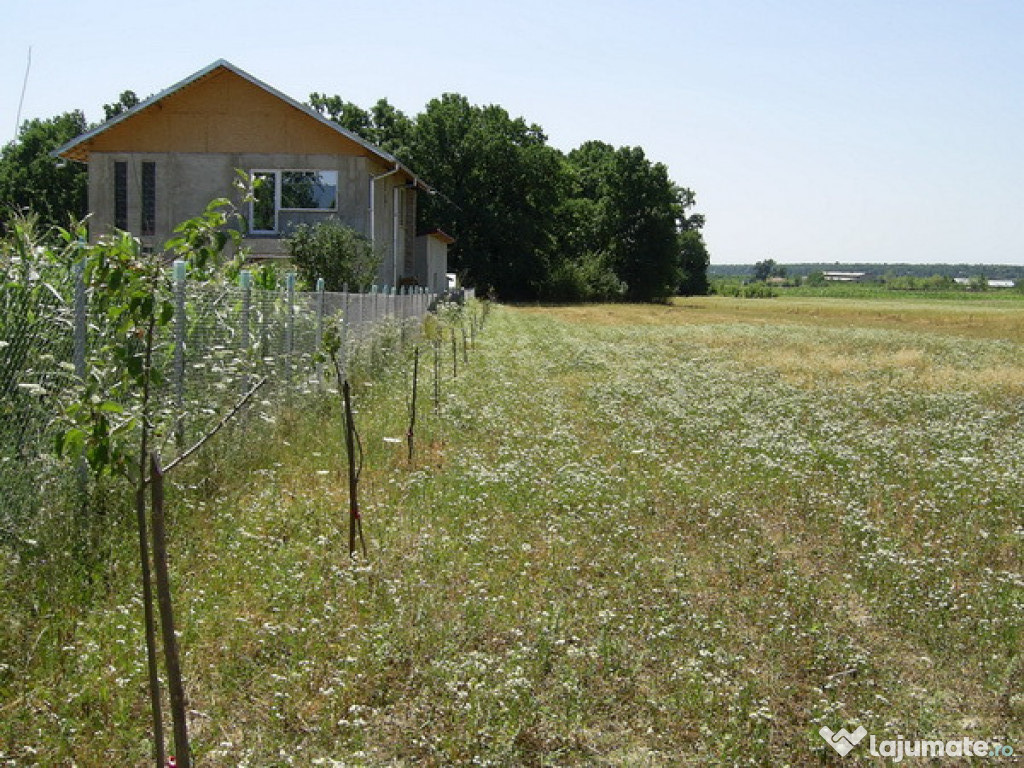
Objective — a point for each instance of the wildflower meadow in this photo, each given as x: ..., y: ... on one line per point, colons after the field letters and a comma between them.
x: 693, y: 534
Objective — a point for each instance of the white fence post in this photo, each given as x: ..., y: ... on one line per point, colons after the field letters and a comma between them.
x: 318, y: 343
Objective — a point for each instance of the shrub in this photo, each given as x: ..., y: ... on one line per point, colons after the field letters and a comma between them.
x: 739, y: 290
x: 335, y: 252
x: 589, y: 279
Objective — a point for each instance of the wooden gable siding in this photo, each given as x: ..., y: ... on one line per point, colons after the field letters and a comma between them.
x: 223, y: 113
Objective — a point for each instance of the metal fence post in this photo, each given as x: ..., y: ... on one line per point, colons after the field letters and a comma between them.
x: 179, y: 350
x: 318, y: 344
x: 266, y: 304
x: 346, y: 320
x: 81, y: 320
x: 374, y: 308
x: 246, y: 283
x: 78, y: 357
x: 289, y: 328
x: 402, y: 299
x: 357, y: 328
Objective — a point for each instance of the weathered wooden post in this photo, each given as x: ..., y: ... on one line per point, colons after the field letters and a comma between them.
x: 172, y: 661
x: 354, y: 521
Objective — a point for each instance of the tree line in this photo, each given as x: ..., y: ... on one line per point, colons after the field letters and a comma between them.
x: 531, y: 222
x: 873, y: 271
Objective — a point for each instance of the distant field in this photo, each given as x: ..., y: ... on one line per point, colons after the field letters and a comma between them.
x: 869, y: 291
x: 635, y: 536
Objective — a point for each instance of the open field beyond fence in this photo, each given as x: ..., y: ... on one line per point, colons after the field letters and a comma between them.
x: 630, y: 536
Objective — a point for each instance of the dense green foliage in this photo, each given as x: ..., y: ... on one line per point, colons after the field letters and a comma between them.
x: 501, y: 187
x: 335, y: 252
x: 124, y: 102
x: 32, y: 180
x: 531, y: 222
x: 766, y: 269
x: 627, y: 208
x: 382, y: 125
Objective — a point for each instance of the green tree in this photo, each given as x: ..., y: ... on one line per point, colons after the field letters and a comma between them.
x: 124, y: 102
x: 501, y: 186
x: 335, y: 252
x: 766, y: 269
x: 693, y: 263
x: 383, y: 125
x: 32, y: 180
x: 530, y: 222
x: 346, y: 114
x: 636, y: 214
x: 392, y: 129
x: 816, y: 279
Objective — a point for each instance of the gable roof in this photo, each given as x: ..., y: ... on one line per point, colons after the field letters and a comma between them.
x: 81, y: 147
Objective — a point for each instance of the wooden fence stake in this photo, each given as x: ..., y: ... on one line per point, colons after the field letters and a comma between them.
x: 172, y: 661
x: 150, y: 624
x: 355, y: 525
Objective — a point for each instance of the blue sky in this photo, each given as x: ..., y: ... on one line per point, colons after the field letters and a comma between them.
x: 873, y: 131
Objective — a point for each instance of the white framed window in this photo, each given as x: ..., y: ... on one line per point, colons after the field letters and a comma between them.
x: 289, y: 190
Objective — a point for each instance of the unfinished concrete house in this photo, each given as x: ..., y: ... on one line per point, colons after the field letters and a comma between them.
x: 165, y: 159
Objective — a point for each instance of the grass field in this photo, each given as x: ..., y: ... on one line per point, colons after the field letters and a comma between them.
x: 634, y: 536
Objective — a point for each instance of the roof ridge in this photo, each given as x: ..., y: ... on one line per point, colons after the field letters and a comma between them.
x: 225, y: 64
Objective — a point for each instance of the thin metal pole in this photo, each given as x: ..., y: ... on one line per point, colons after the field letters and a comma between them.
x: 179, y: 351
x: 78, y: 359
x: 346, y: 325
x: 319, y: 328
x: 289, y: 328
x: 246, y: 281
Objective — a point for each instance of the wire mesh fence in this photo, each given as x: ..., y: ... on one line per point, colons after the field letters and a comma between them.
x: 221, y: 341
x: 37, y: 323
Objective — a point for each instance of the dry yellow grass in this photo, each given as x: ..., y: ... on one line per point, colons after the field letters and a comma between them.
x: 974, y: 319
x: 849, y: 339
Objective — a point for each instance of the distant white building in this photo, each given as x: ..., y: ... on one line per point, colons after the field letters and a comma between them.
x: 845, y: 277
x: 991, y: 283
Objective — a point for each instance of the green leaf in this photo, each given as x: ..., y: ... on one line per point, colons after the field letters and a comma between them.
x: 71, y: 443
x: 134, y: 366
x: 166, y: 313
